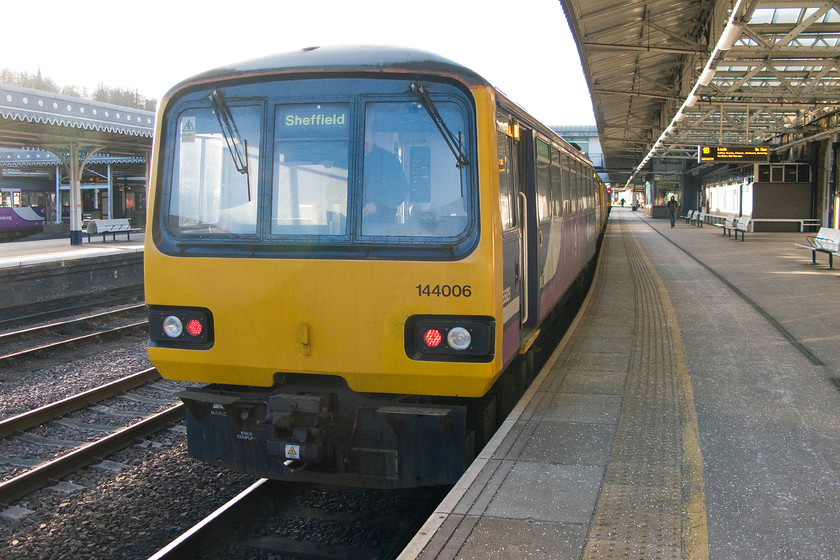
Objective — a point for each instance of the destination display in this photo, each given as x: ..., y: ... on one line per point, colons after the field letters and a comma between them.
x: 321, y: 120
x: 733, y: 153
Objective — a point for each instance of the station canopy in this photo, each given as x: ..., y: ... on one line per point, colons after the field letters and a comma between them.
x: 667, y: 76
x: 32, y: 118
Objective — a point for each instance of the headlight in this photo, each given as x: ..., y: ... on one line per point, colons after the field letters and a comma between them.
x: 172, y: 326
x: 459, y: 338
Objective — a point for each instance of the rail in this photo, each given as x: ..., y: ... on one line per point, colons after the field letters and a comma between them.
x: 14, y: 356
x: 32, y: 418
x: 25, y: 483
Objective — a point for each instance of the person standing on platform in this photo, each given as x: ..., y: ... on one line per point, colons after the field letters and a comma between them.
x: 672, y: 210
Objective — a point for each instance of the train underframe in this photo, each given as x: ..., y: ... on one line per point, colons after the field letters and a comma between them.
x: 313, y: 428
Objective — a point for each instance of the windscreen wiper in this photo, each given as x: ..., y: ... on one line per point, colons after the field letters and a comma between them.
x: 237, y: 145
x: 453, y: 143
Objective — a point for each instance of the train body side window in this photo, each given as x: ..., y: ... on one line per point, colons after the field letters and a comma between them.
x: 568, y: 184
x: 507, y: 195
x: 543, y: 181
x: 556, y: 184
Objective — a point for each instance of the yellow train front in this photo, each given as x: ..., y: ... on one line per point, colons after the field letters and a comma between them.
x: 326, y: 252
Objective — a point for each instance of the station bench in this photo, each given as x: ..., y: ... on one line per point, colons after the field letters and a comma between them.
x: 827, y: 241
x: 113, y: 227
x: 742, y: 225
x: 700, y: 217
x: 803, y: 222
x: 728, y: 224
x: 689, y: 216
x: 715, y: 219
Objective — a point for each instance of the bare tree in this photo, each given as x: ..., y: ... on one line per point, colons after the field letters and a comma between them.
x: 103, y: 93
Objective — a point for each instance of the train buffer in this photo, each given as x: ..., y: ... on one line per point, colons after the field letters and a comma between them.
x: 827, y: 241
x: 113, y: 227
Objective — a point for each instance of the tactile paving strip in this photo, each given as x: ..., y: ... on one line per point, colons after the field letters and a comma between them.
x: 640, y: 510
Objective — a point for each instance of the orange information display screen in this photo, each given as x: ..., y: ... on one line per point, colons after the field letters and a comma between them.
x: 732, y: 153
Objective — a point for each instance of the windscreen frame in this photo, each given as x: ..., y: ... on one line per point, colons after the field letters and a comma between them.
x: 331, y: 90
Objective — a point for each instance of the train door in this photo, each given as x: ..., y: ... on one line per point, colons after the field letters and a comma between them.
x: 516, y: 183
x: 512, y: 234
x: 529, y: 227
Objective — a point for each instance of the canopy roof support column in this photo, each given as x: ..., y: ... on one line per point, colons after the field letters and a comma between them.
x: 75, y: 157
x: 110, y: 192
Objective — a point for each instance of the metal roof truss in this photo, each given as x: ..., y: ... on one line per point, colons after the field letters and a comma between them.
x: 668, y: 76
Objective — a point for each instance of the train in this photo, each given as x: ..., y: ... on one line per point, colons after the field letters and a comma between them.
x: 351, y: 252
x: 20, y: 221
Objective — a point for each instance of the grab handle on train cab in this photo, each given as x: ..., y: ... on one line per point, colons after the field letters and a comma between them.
x: 523, y: 287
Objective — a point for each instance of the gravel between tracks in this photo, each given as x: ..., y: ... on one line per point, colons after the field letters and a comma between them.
x: 39, y: 381
x: 150, y: 493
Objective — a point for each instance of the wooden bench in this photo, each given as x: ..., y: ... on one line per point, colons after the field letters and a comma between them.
x: 728, y: 224
x: 826, y: 241
x: 113, y: 227
x: 742, y: 225
x: 689, y: 216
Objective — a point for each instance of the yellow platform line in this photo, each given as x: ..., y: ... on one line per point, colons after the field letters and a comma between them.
x: 652, y: 503
x: 695, y: 536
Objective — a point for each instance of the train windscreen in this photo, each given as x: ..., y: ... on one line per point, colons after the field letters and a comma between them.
x: 370, y: 164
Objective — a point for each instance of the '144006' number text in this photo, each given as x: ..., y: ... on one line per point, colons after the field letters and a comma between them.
x: 444, y: 290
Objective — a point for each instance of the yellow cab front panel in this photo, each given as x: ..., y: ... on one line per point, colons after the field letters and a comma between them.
x: 343, y: 318
x: 262, y: 222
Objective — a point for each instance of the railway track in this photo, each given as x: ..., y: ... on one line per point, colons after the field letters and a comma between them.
x: 37, y: 341
x: 284, y: 520
x: 19, y: 440
x: 44, y: 311
x: 45, y: 413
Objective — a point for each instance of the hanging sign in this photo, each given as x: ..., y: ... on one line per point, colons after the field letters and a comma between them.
x: 733, y: 153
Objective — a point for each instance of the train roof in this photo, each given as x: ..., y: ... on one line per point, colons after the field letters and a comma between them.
x: 346, y: 59
x: 338, y: 59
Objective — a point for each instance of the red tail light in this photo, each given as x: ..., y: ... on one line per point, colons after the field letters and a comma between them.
x: 432, y: 338
x: 194, y: 327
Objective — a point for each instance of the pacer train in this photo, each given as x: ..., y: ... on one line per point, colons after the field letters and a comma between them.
x: 355, y: 248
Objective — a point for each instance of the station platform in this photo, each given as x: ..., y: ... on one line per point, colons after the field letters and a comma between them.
x: 29, y: 251
x: 691, y: 411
